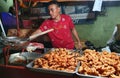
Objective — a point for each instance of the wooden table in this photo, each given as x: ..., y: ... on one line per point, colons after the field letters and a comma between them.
x: 12, y: 71
x: 7, y: 71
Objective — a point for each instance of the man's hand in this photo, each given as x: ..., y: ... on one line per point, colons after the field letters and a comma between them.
x: 79, y: 45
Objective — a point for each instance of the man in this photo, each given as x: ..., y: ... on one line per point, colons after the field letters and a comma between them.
x: 8, y: 19
x: 61, y: 36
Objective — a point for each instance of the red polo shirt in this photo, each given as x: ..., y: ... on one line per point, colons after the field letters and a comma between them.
x: 61, y: 37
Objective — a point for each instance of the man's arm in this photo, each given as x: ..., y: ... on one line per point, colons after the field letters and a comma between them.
x: 75, y: 34
x: 36, y: 32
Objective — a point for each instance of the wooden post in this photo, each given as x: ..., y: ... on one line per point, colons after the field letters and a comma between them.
x: 17, y: 18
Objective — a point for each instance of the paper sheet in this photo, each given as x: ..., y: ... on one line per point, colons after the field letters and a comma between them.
x: 97, y: 5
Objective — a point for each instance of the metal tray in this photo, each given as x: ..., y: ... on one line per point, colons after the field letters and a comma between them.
x: 50, y: 71
x: 87, y: 76
x: 58, y: 72
x: 78, y: 75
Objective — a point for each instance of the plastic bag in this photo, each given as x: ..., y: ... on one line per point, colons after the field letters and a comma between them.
x: 115, y: 46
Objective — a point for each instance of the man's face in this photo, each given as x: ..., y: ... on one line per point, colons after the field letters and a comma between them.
x: 54, y: 11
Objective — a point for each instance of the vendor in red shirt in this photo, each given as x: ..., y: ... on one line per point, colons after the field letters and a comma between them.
x: 61, y: 36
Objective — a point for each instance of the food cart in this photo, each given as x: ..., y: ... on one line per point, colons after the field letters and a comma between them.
x: 27, y: 71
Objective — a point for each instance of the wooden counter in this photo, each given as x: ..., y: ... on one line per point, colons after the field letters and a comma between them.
x: 12, y: 71
x: 7, y: 71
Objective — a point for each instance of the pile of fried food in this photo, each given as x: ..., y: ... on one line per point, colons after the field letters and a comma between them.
x: 103, y: 64
x: 58, y: 59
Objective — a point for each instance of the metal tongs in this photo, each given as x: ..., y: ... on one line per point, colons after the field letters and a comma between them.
x: 79, y: 51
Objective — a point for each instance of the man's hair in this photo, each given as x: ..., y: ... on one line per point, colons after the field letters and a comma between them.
x: 54, y: 2
x: 11, y: 10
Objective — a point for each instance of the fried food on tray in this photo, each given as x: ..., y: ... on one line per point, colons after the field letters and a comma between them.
x: 58, y: 59
x: 103, y: 64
